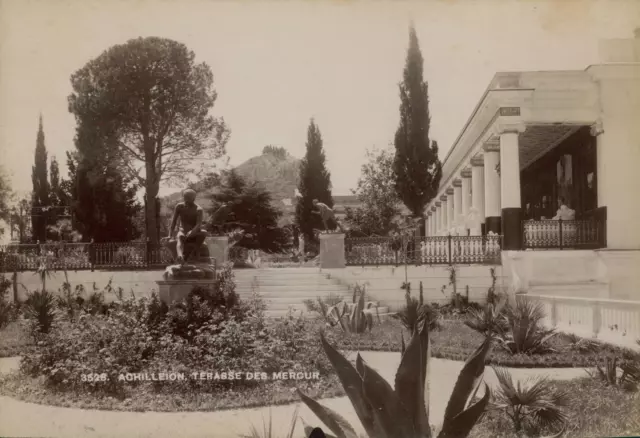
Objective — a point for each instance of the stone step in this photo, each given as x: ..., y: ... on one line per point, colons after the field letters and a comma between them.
x: 285, y: 280
x: 320, y: 288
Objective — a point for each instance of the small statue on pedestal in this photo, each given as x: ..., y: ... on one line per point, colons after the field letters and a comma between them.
x: 327, y: 215
x: 189, y: 242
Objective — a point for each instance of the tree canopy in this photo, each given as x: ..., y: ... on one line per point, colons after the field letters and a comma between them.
x: 253, y: 212
x: 376, y: 194
x: 314, y: 183
x: 152, y: 102
x: 416, y: 165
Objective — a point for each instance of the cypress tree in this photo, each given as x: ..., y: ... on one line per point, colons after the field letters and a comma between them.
x: 416, y: 165
x: 40, y: 194
x: 314, y: 183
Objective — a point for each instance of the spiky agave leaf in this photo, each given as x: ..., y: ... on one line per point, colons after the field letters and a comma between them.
x: 468, y: 380
x: 334, y: 421
x: 411, y: 380
x: 351, y: 381
x: 402, y: 346
x: 460, y: 426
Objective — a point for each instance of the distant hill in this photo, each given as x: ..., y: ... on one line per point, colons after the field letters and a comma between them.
x: 275, y: 170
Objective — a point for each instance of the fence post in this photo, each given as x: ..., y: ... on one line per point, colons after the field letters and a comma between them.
x: 92, y: 255
x: 596, y: 318
x: 449, y: 245
x: 147, y: 249
x: 560, y: 233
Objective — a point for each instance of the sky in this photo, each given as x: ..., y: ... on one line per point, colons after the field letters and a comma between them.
x: 277, y: 64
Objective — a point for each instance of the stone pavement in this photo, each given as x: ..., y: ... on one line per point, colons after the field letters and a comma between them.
x: 28, y: 419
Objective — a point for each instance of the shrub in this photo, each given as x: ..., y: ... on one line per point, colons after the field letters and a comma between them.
x: 488, y: 320
x: 40, y: 308
x: 620, y: 373
x: 415, y: 311
x: 525, y: 331
x: 352, y: 319
x: 401, y: 412
x: 533, y: 406
x: 8, y: 309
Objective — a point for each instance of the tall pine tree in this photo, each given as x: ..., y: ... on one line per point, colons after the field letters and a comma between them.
x: 314, y: 183
x: 416, y: 165
x: 41, y: 193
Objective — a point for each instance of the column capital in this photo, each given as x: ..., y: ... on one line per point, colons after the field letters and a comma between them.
x: 449, y: 191
x: 457, y: 183
x: 433, y: 209
x: 509, y: 128
x: 465, y: 173
x: 443, y: 198
x: 477, y: 161
x: 596, y: 128
x: 493, y: 145
x: 438, y: 204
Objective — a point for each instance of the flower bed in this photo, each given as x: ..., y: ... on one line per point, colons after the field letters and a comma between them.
x: 456, y: 341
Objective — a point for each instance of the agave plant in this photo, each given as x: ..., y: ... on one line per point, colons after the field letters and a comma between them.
x: 403, y: 411
x: 525, y: 330
x: 267, y: 429
x: 40, y: 307
x: 352, y: 319
x: 532, y: 406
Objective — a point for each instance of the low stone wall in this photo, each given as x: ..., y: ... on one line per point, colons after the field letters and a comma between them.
x: 141, y: 282
x: 384, y: 283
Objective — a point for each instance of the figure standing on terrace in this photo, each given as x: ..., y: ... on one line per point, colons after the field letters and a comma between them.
x: 326, y: 214
x: 190, y: 235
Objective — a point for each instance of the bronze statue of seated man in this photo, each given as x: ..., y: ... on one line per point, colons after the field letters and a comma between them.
x: 190, y: 236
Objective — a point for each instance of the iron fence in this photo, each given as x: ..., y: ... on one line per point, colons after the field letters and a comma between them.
x: 559, y: 234
x: 431, y: 250
x: 84, y: 256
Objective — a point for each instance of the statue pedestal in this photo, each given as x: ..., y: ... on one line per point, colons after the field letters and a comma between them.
x: 176, y: 290
x: 332, y: 251
x: 218, y: 248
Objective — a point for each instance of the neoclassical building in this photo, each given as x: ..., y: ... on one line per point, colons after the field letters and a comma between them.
x: 541, y: 140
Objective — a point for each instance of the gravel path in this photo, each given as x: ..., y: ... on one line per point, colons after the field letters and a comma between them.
x: 28, y: 419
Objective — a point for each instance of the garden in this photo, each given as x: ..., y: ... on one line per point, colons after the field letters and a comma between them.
x: 79, y: 348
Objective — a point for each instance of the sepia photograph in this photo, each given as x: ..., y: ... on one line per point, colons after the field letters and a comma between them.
x: 320, y: 218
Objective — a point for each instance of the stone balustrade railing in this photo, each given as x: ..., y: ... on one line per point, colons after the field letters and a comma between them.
x: 615, y: 320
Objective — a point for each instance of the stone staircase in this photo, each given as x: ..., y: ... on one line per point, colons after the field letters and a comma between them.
x: 287, y: 288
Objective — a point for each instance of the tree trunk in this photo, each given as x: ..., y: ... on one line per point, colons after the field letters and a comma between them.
x: 151, y: 210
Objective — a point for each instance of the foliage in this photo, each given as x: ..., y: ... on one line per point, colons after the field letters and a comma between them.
x: 416, y: 311
x: 252, y: 212
x: 354, y: 318
x: 403, y: 412
x: 525, y: 330
x: 377, y: 196
x: 267, y: 430
x: 8, y: 309
x: 488, y: 320
x: 40, y: 308
x: 416, y: 165
x: 623, y: 373
x: 276, y: 151
x: 6, y: 193
x: 321, y: 306
x: 314, y: 183
x: 104, y: 199
x: 150, y: 102
x: 492, y: 296
x: 532, y: 406
x: 40, y: 194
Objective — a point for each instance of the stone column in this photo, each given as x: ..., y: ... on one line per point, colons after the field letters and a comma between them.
x: 450, y: 210
x: 332, y: 251
x: 492, y: 208
x: 477, y: 191
x: 510, y: 184
x: 438, y: 215
x: 457, y: 203
x: 466, y: 195
x: 443, y: 215
x: 434, y: 221
x: 426, y: 225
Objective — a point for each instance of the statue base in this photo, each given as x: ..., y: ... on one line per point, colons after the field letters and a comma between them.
x: 170, y: 291
x: 332, y: 251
